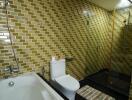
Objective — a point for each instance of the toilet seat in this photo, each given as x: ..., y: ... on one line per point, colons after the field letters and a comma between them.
x: 68, y: 82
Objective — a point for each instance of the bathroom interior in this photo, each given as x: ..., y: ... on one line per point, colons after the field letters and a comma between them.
x: 65, y: 49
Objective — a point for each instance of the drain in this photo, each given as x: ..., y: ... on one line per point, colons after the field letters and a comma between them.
x: 11, y: 84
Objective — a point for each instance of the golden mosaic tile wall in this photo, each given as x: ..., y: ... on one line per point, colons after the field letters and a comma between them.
x: 6, y: 54
x: 63, y: 28
x: 122, y: 50
x: 122, y: 45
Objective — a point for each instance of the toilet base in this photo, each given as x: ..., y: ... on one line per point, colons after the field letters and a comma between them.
x: 69, y: 94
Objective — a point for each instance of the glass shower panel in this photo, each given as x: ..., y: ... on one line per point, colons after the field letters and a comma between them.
x: 122, y: 46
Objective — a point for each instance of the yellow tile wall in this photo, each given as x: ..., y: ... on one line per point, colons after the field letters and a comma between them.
x: 6, y: 55
x: 122, y: 45
x: 44, y: 28
x: 122, y: 51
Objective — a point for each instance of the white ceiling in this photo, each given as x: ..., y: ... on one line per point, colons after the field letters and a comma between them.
x: 112, y: 4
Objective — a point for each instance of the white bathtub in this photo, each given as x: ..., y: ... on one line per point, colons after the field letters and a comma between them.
x: 27, y: 87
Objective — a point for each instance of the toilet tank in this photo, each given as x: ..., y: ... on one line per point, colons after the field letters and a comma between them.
x: 57, y: 68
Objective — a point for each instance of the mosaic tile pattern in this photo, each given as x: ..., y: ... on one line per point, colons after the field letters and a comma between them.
x: 6, y: 55
x: 62, y: 28
x: 90, y: 93
x: 122, y: 51
x: 121, y: 44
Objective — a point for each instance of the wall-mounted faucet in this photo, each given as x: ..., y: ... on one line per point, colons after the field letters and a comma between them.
x: 11, y: 69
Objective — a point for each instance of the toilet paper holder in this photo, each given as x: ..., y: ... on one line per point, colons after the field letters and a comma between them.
x: 68, y: 59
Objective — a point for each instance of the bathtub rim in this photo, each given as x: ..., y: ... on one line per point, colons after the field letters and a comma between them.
x: 42, y: 81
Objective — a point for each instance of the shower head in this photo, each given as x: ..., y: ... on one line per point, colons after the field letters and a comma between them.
x: 4, y: 3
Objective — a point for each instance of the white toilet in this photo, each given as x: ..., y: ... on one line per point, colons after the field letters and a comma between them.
x: 65, y: 83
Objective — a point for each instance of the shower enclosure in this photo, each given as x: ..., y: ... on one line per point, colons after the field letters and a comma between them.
x: 115, y: 78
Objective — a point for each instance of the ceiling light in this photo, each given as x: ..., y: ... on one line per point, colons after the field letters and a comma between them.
x: 124, y: 3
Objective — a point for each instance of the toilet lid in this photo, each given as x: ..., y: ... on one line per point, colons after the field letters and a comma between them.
x: 68, y: 82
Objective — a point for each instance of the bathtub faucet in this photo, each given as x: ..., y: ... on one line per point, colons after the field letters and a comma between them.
x: 11, y: 69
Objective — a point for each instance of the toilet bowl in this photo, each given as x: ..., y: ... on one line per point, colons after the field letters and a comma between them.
x: 63, y: 82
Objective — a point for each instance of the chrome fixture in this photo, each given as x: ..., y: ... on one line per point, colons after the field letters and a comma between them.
x: 4, y: 3
x: 11, y: 69
x: 130, y: 1
x: 11, y: 84
x: 69, y: 58
x: 10, y: 37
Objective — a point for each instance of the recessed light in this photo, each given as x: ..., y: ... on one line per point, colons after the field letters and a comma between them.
x: 123, y: 4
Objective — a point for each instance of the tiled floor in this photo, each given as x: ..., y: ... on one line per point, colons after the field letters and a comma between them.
x: 90, y: 93
x: 110, y: 82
